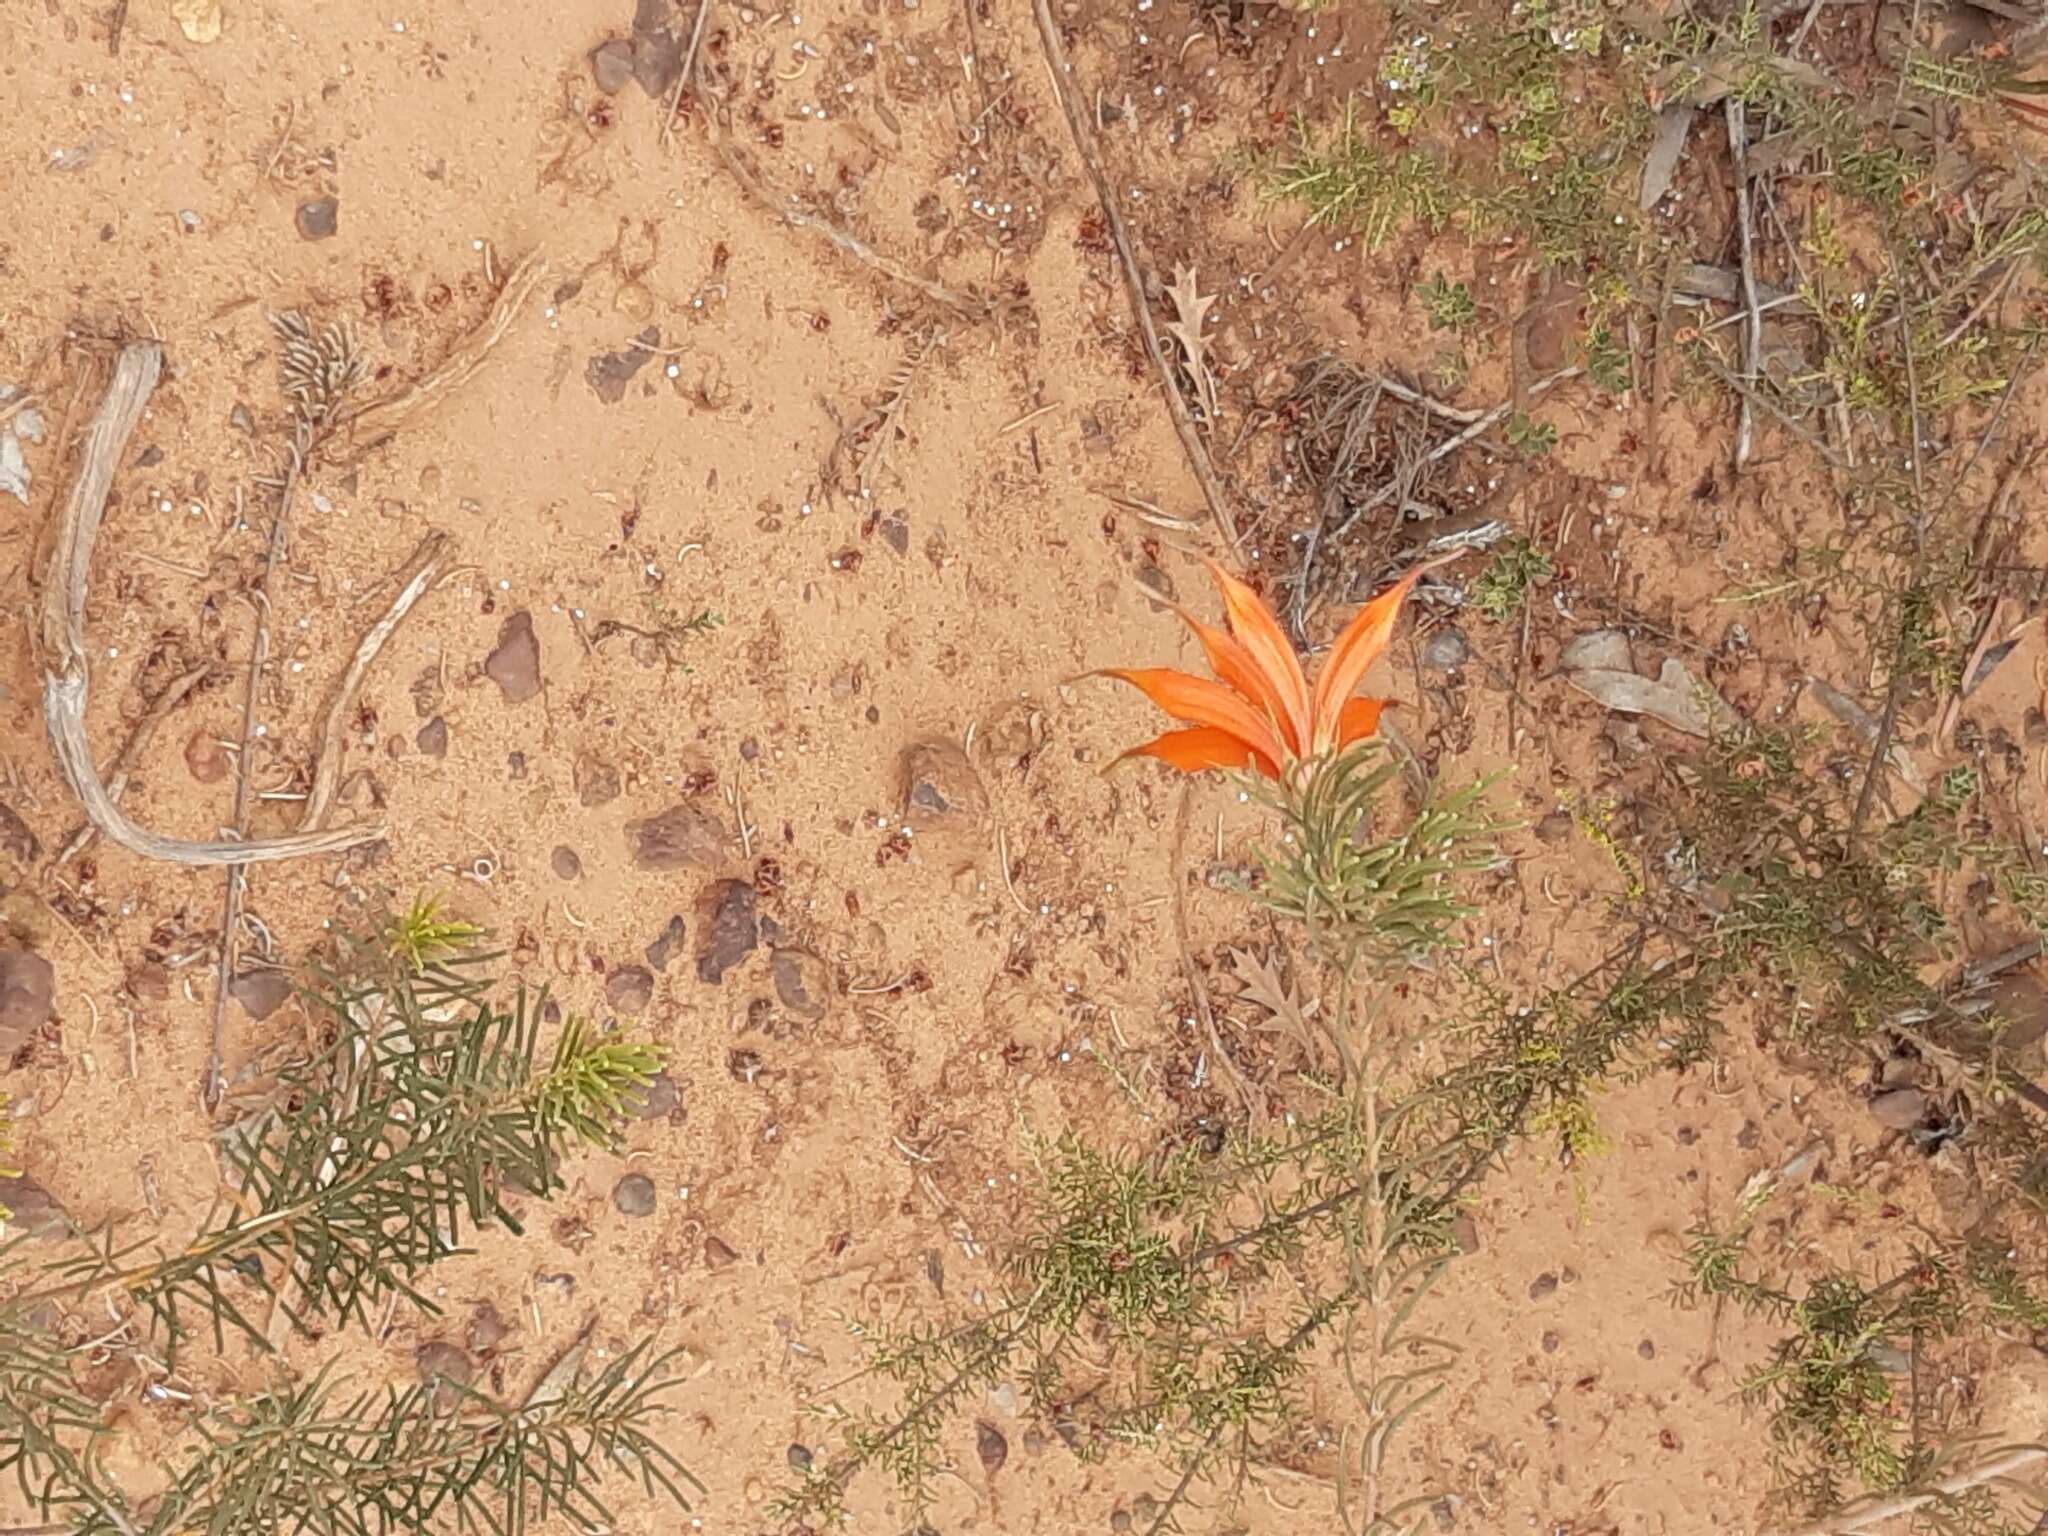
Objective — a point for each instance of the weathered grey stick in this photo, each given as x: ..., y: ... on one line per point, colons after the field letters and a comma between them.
x: 418, y: 575
x: 66, y: 672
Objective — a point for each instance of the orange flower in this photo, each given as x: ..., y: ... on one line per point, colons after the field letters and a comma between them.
x: 1261, y: 713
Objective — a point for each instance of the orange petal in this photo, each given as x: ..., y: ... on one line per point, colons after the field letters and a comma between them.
x: 1204, y: 747
x: 1355, y: 650
x: 1270, y: 650
x: 1231, y: 662
x: 1358, y: 719
x: 1201, y: 702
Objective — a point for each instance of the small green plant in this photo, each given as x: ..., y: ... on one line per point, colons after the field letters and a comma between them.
x: 1842, y: 1417
x: 1393, y: 894
x: 420, y: 937
x: 1501, y: 591
x: 1143, y: 1309
x: 668, y: 630
x: 1448, y: 306
x: 1529, y: 436
x: 424, y: 1105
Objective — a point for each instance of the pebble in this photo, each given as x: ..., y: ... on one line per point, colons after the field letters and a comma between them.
x: 1647, y: 1350
x: 611, y: 65
x: 1900, y: 1110
x: 1465, y: 1232
x: 681, y: 837
x: 802, y: 981
x: 798, y: 1457
x: 32, y: 1211
x: 565, y: 862
x: 318, y: 219
x: 657, y: 1100
x: 1542, y: 1286
x: 895, y: 533
x: 148, y: 981
x: 17, y: 838
x: 941, y: 790
x: 28, y: 990
x: 608, y: 373
x: 242, y: 418
x: 433, y: 738
x: 444, y: 1367
x: 630, y: 988
x: 204, y: 759
x: 1446, y: 649
x: 261, y: 993
x: 990, y: 1446
x: 666, y: 943
x: 717, y: 1255
x: 561, y: 1286
x: 486, y: 1331
x: 514, y: 663
x: 597, y: 781
x: 634, y: 1195
x: 728, y: 930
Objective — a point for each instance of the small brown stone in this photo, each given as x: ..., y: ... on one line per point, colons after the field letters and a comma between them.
x: 433, y: 738
x: 656, y: 1100
x: 446, y: 1368
x: 941, y: 790
x: 990, y: 1446
x: 802, y: 981
x: 149, y: 981
x: 634, y: 1195
x: 486, y: 1331
x: 666, y: 943
x: 318, y: 219
x: 1542, y: 1286
x: 728, y: 929
x: 1899, y: 1110
x: 608, y: 373
x: 514, y: 663
x: 717, y: 1255
x: 630, y: 988
x: 611, y: 65
x: 28, y: 991
x: 17, y: 839
x: 565, y: 863
x: 261, y: 993
x: 32, y: 1210
x: 204, y: 759
x: 597, y: 781
x: 681, y: 837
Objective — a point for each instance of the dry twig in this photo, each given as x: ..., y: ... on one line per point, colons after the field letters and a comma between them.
x: 1866, y: 1514
x: 852, y: 245
x: 1753, y: 326
x: 133, y: 748
x: 375, y: 422
x: 413, y: 583
x: 1083, y: 132
x: 66, y: 674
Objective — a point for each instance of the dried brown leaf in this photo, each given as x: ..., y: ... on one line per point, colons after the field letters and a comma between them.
x: 1192, y: 307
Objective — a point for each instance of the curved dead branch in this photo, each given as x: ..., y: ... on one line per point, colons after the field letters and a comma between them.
x: 66, y: 673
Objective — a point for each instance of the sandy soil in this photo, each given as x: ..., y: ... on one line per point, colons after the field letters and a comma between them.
x: 158, y: 186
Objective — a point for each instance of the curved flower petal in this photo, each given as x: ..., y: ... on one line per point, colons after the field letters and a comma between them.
x: 1198, y: 701
x: 1252, y: 622
x: 1238, y: 671
x: 1204, y: 746
x: 1358, y: 719
x: 1356, y: 649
